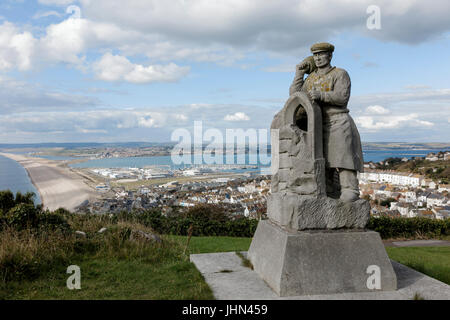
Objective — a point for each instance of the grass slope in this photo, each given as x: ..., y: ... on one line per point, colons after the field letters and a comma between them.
x: 432, y: 261
x: 142, y: 272
x: 115, y: 279
x: 165, y: 273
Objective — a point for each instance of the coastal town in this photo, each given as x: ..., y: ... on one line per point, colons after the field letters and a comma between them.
x: 390, y: 192
x: 241, y: 193
x: 395, y: 193
x: 400, y: 186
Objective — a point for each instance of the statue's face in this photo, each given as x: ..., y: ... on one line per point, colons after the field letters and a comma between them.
x: 322, y: 59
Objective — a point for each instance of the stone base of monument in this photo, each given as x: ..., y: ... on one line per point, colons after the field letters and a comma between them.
x: 320, y: 261
x: 309, y: 212
x: 230, y: 279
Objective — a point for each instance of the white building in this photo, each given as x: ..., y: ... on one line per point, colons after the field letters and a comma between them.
x: 436, y: 200
x: 431, y: 157
x: 391, y: 178
x: 442, y: 213
x: 191, y: 172
x: 402, y: 207
x: 410, y: 196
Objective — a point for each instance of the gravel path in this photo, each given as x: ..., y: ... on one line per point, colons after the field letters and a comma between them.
x: 416, y: 243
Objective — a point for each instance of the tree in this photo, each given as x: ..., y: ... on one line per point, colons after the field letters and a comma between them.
x: 6, y: 200
x: 22, y: 216
x: 27, y: 198
x: 387, y: 202
x: 207, y: 212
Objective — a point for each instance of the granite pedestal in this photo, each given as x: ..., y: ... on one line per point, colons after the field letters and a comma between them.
x: 313, y: 262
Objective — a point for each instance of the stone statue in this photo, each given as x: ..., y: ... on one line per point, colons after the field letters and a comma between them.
x: 316, y: 152
x: 314, y: 240
x: 329, y: 87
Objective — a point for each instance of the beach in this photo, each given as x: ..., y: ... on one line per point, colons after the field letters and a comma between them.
x: 58, y: 187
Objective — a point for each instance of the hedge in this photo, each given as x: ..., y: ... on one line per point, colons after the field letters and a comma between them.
x: 214, y: 221
x: 205, y: 220
x: 401, y: 227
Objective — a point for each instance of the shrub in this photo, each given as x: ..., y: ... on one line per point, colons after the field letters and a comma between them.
x: 242, y: 227
x: 153, y: 219
x: 401, y: 227
x: 25, y: 254
x: 6, y: 200
x: 27, y: 198
x: 28, y: 216
x: 22, y: 216
x: 206, y: 220
x: 387, y: 202
x: 204, y: 213
x: 54, y: 221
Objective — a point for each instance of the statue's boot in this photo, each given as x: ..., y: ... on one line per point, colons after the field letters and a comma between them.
x: 349, y: 185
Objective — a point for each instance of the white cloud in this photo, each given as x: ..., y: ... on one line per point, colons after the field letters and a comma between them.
x: 175, y: 30
x: 16, y: 48
x: 56, y: 2
x: 376, y: 109
x: 417, y: 87
x: 279, y: 68
x: 181, y: 117
x: 98, y: 120
x: 238, y: 116
x: 18, y: 96
x: 45, y: 14
x: 146, y: 122
x: 402, y: 97
x: 418, y: 115
x: 69, y: 40
x: 83, y: 130
x: 63, y: 42
x: 391, y: 122
x: 118, y: 68
x: 273, y: 25
x: 151, y: 124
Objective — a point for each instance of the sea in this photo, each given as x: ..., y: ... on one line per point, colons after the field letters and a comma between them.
x: 14, y: 177
x: 140, y: 162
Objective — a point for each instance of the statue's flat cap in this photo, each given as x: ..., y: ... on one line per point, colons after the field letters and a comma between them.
x: 322, y: 46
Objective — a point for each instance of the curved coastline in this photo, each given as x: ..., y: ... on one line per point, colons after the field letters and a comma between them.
x: 33, y: 183
x: 57, y: 187
x: 16, y: 178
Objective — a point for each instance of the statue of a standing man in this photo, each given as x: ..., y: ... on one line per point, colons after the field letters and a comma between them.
x: 329, y: 87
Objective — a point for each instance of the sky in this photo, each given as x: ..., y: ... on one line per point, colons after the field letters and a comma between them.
x: 136, y: 70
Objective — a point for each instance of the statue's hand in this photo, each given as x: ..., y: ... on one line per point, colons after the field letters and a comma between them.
x: 302, y: 67
x: 314, y: 94
x: 306, y: 66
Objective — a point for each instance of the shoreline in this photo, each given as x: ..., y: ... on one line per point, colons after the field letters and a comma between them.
x: 58, y: 186
x: 32, y: 182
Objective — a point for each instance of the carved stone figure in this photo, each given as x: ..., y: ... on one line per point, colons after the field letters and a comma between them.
x: 316, y: 152
x: 314, y: 239
x: 330, y: 87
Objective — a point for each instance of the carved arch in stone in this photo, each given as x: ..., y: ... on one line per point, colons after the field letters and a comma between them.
x: 291, y: 109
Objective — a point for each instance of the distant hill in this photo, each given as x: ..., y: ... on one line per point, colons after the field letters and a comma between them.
x: 405, y: 145
x: 75, y: 145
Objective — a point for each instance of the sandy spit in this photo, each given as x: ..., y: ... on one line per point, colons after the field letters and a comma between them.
x: 58, y: 187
